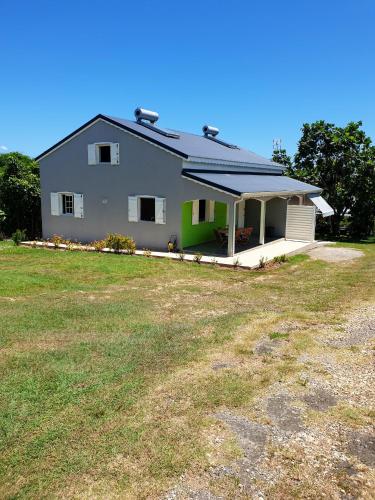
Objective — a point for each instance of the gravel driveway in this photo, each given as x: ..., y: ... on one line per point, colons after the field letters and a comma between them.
x: 310, y: 438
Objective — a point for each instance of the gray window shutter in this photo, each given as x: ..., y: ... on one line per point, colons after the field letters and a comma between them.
x: 160, y: 212
x: 115, y: 153
x: 133, y: 208
x: 78, y: 205
x: 55, y: 204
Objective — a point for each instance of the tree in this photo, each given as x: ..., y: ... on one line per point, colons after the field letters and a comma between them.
x: 20, y: 193
x: 340, y: 160
x: 281, y: 156
x: 362, y: 211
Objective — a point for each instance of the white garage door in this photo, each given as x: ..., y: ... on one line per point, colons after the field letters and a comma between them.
x: 300, y: 223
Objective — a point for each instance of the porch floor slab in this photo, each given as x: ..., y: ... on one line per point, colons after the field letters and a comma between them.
x: 213, y: 249
x: 249, y: 258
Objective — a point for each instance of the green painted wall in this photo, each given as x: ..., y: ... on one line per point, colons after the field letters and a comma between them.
x: 202, y: 232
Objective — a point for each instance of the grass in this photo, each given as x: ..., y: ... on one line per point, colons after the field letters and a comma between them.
x: 105, y: 360
x: 278, y: 335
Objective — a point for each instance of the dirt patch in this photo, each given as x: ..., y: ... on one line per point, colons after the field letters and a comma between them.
x: 221, y: 365
x: 286, y: 417
x: 267, y: 346
x: 251, y: 436
x: 333, y: 254
x: 319, y: 400
x: 362, y: 446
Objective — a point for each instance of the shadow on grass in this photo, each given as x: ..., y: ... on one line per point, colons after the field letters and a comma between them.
x: 346, y: 239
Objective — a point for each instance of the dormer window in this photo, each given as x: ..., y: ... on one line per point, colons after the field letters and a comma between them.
x: 104, y: 153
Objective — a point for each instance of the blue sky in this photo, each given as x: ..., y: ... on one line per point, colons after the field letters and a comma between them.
x: 257, y: 70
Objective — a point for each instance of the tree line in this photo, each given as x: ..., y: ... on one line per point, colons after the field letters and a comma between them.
x: 340, y: 160
x: 19, y: 195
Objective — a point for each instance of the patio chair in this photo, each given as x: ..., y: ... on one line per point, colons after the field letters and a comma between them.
x: 220, y: 237
x: 238, y: 235
x: 246, y: 233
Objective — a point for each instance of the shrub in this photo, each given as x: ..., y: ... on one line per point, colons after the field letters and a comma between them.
x: 58, y: 240
x: 18, y: 236
x: 171, y: 246
x: 262, y: 263
x: 2, y: 236
x: 147, y: 252
x: 99, y: 245
x: 181, y: 256
x: 120, y: 242
x: 280, y: 259
x: 237, y: 263
x: 2, y: 216
x: 197, y: 258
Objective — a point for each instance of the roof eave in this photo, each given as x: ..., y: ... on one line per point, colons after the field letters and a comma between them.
x: 264, y: 194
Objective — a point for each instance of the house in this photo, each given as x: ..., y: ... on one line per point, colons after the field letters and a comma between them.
x: 156, y: 184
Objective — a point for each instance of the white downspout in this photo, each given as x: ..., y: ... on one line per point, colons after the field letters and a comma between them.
x: 262, y: 227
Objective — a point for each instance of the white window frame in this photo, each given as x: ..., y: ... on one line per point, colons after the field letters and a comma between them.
x: 97, y: 153
x: 94, y: 153
x: 61, y: 204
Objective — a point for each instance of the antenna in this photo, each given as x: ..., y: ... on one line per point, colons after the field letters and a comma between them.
x: 276, y: 144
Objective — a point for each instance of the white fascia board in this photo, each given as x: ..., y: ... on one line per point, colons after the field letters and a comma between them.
x: 278, y: 194
x: 112, y: 125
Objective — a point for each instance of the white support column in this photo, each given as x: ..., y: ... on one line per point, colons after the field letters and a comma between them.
x: 262, y: 226
x: 231, y: 228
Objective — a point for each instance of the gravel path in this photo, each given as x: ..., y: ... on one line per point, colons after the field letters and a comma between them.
x: 334, y: 254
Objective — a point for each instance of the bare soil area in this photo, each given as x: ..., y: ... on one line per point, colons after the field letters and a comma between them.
x: 334, y: 254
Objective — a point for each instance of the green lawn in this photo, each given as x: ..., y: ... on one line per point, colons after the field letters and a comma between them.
x: 106, y: 383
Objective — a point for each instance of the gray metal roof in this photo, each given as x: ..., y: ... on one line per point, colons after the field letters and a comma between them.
x: 195, y: 146
x: 250, y: 184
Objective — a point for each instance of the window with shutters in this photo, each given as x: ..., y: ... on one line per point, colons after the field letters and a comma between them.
x: 67, y: 204
x: 146, y: 208
x: 203, y: 211
x: 103, y: 153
